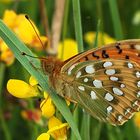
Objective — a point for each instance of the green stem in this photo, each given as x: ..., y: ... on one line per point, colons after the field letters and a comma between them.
x: 98, y: 131
x: 4, y: 127
x: 96, y: 37
x: 34, y: 130
x: 85, y: 127
x: 65, y: 25
x: 110, y: 134
x: 2, y: 71
x: 77, y: 23
x: 76, y: 118
x: 3, y: 122
x: 100, y: 21
x: 116, y: 19
x: 33, y: 126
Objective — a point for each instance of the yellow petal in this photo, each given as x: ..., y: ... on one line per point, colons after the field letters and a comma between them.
x: 21, y: 89
x: 103, y: 38
x: 24, y: 29
x: 44, y: 136
x: 7, y: 57
x: 7, y: 1
x: 47, y: 107
x: 89, y: 37
x: 3, y: 46
x: 9, y: 18
x: 108, y: 39
x: 33, y: 81
x: 57, y: 129
x: 70, y: 49
x: 137, y: 119
x: 46, y: 95
x: 37, y: 44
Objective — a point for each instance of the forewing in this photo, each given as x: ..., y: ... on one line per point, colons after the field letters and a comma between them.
x: 108, y: 89
x: 128, y: 49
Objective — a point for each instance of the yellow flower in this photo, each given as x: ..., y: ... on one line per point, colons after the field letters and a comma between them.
x: 137, y: 119
x: 9, y: 1
x: 21, y: 26
x: 33, y: 81
x: 44, y: 136
x: 9, y: 18
x: 70, y: 49
x: 6, y: 55
x: 21, y: 89
x: 57, y: 129
x: 47, y: 106
x: 103, y: 38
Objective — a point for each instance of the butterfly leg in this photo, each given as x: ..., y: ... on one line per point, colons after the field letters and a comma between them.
x: 74, y: 108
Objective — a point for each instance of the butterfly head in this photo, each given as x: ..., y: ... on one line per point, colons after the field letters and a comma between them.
x: 50, y: 64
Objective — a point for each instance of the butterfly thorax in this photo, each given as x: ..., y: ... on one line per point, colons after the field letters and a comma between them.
x: 52, y: 66
x: 59, y: 81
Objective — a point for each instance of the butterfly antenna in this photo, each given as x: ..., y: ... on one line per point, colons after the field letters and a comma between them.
x: 23, y: 53
x: 41, y: 58
x: 27, y: 17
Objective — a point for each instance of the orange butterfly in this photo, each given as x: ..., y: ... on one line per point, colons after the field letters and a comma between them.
x: 105, y: 81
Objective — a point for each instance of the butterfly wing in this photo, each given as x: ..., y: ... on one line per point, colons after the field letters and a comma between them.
x: 128, y: 49
x: 106, y: 80
x: 108, y: 89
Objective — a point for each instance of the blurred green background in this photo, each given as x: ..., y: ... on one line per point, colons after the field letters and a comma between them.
x: 122, y: 25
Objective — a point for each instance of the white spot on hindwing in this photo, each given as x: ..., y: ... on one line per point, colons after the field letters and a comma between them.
x: 113, y: 78
x: 110, y: 71
x: 109, y: 109
x: 82, y: 88
x: 127, y: 111
x: 138, y: 74
x: 93, y: 95
x: 97, y: 83
x: 86, y: 80
x: 108, y: 97
x: 138, y: 94
x: 122, y: 85
x: 138, y: 84
x: 89, y: 69
x: 107, y: 64
x: 120, y: 118
x: 135, y: 103
x: 78, y: 74
x: 130, y: 65
x: 117, y: 91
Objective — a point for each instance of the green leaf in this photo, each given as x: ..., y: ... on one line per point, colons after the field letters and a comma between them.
x: 77, y: 23
x: 85, y: 127
x: 17, y: 48
x: 116, y: 19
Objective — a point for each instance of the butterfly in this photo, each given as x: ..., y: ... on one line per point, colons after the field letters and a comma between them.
x: 105, y: 82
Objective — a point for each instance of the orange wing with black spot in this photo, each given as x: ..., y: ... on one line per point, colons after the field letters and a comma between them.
x: 106, y: 81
